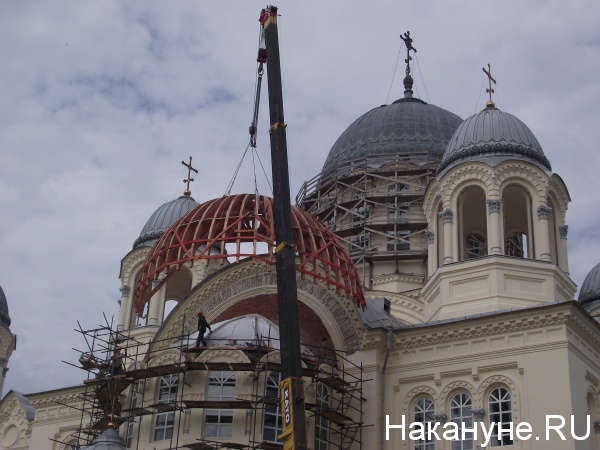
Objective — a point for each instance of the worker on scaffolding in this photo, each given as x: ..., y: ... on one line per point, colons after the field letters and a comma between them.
x: 116, y: 366
x: 202, y: 326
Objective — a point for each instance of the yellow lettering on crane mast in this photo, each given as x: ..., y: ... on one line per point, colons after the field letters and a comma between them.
x: 287, y: 414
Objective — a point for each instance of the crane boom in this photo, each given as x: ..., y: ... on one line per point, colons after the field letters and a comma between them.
x: 292, y: 397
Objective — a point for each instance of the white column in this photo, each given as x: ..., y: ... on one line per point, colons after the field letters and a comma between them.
x: 563, y: 259
x: 125, y: 305
x: 447, y: 218
x: 157, y: 304
x: 494, y: 237
x: 431, y: 256
x: 542, y: 236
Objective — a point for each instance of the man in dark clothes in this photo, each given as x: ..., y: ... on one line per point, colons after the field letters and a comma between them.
x: 202, y: 326
x: 117, y: 362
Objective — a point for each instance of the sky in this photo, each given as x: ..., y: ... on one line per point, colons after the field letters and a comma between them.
x: 101, y: 101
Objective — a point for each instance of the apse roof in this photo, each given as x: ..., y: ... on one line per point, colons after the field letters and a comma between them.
x: 493, y: 134
x: 242, y: 330
x: 408, y: 126
x: 165, y: 216
x: 4, y: 317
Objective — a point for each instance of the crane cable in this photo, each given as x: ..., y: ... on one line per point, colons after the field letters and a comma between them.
x: 261, y: 59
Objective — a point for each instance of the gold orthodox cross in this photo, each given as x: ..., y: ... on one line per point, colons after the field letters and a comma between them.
x: 489, y: 90
x: 189, y: 178
x: 408, y: 42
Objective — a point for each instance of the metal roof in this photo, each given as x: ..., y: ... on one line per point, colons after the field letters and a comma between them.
x: 4, y: 317
x: 27, y: 408
x: 375, y: 315
x: 407, y: 126
x: 109, y: 440
x: 590, y: 289
x: 165, y: 216
x: 496, y: 134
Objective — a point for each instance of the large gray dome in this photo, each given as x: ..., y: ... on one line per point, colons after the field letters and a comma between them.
x: 408, y: 126
x: 589, y: 294
x: 494, y: 134
x: 4, y: 317
x: 165, y: 216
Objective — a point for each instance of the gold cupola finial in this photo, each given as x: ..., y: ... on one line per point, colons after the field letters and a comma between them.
x: 490, y: 103
x: 189, y: 179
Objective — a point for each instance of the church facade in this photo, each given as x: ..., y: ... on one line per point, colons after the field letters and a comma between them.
x: 434, y: 291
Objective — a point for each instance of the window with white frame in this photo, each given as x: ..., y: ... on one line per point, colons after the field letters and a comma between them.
x: 423, y: 412
x: 272, y: 416
x: 360, y: 241
x: 500, y: 413
x: 460, y: 414
x: 322, y: 429
x: 167, y: 393
x: 221, y: 388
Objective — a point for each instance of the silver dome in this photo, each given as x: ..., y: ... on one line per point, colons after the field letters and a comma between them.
x: 492, y: 133
x: 408, y: 126
x: 589, y: 294
x: 4, y: 317
x: 109, y: 440
x: 165, y: 216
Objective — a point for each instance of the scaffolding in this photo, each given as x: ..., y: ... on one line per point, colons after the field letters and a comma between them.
x: 121, y: 397
x: 374, y: 206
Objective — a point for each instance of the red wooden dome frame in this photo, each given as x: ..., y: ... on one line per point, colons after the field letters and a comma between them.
x: 246, y: 218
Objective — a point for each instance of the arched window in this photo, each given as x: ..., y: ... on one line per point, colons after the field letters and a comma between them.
x: 163, y: 426
x: 516, y: 209
x: 473, y: 223
x: 460, y: 414
x: 221, y: 388
x: 131, y: 421
x: 272, y: 416
x: 321, y: 424
x: 423, y: 412
x: 500, y: 412
x: 169, y: 306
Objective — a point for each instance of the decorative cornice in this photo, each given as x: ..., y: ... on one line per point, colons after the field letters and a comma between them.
x: 510, y: 323
x: 406, y: 278
x: 563, y: 230
x: 447, y: 215
x: 53, y: 401
x: 544, y: 211
x: 494, y: 205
